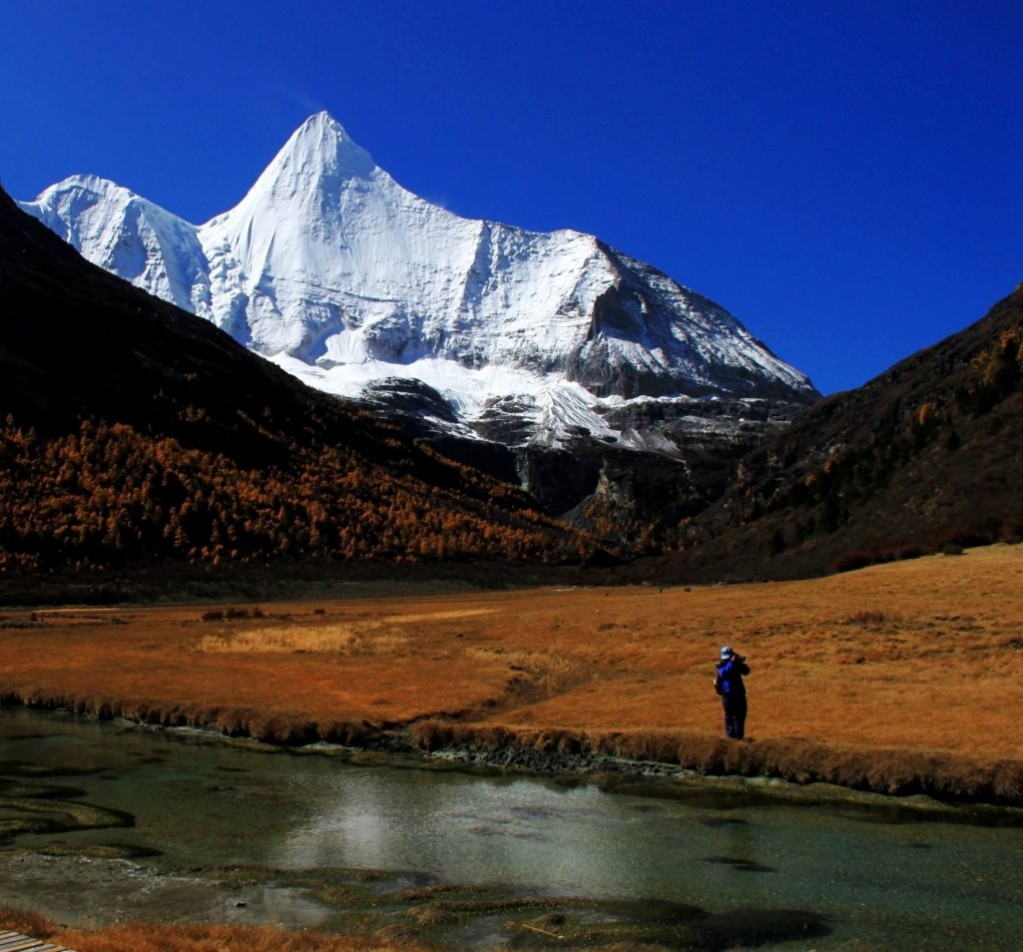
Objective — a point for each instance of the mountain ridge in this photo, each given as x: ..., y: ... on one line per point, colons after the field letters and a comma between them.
x: 923, y: 458
x: 339, y: 274
x: 134, y: 434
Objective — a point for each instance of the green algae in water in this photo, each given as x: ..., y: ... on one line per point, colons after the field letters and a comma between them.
x: 98, y: 851
x: 50, y: 814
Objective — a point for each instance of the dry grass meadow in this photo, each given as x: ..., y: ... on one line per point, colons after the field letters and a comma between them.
x: 197, y: 937
x: 899, y: 677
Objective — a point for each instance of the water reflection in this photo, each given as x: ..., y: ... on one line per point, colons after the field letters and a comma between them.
x: 740, y: 865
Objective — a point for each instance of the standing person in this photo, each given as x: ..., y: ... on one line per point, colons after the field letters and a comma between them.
x: 730, y: 686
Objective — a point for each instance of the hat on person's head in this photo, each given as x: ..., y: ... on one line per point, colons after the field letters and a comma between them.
x: 726, y: 652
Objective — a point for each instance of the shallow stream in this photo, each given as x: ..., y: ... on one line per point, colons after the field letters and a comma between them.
x: 192, y: 827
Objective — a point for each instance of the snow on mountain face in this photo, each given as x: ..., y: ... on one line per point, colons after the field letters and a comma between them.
x: 127, y: 235
x: 343, y: 277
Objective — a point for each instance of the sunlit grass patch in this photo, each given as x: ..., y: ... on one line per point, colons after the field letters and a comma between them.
x: 548, y: 672
x: 26, y: 922
x: 873, y: 619
x: 367, y: 638
x: 385, y: 635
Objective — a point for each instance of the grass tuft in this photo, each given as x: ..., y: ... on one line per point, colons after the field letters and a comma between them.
x: 18, y: 919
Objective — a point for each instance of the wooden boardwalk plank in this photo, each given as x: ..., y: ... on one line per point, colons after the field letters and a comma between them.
x: 16, y: 942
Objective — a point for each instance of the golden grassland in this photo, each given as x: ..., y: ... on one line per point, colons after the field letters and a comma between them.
x: 625, y: 930
x: 898, y: 678
x: 189, y: 937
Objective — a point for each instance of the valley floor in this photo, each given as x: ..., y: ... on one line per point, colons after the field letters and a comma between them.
x: 902, y: 678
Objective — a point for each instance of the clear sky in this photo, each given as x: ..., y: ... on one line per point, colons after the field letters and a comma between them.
x: 844, y: 175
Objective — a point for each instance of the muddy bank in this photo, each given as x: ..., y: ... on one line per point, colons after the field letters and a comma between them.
x: 93, y: 890
x: 611, y: 758
x: 398, y: 910
x: 889, y: 772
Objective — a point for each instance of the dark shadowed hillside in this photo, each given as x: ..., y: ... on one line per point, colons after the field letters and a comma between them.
x: 133, y: 433
x: 927, y: 457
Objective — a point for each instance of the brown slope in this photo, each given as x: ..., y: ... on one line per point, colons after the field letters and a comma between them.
x: 131, y: 431
x: 927, y: 456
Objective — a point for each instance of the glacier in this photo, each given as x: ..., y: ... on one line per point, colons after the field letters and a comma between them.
x: 332, y: 270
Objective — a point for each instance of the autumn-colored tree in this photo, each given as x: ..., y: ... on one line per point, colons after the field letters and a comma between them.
x: 109, y: 495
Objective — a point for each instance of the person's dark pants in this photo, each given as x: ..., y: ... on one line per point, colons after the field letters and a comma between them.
x: 735, y: 715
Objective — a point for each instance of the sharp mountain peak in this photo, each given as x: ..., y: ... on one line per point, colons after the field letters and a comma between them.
x: 344, y: 278
x: 319, y: 154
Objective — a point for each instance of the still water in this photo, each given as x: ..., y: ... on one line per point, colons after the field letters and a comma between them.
x: 877, y: 880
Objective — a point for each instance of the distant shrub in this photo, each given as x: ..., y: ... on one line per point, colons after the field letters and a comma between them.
x: 912, y: 550
x: 866, y: 618
x: 232, y: 614
x: 856, y: 559
x: 861, y: 558
x: 894, y: 552
x: 971, y: 537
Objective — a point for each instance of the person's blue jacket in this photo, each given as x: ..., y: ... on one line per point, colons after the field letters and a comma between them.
x: 730, y: 672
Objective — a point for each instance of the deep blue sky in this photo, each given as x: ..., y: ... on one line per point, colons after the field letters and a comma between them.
x: 844, y: 177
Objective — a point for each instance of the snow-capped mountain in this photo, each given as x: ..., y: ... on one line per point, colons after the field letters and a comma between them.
x: 549, y: 359
x: 344, y: 278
